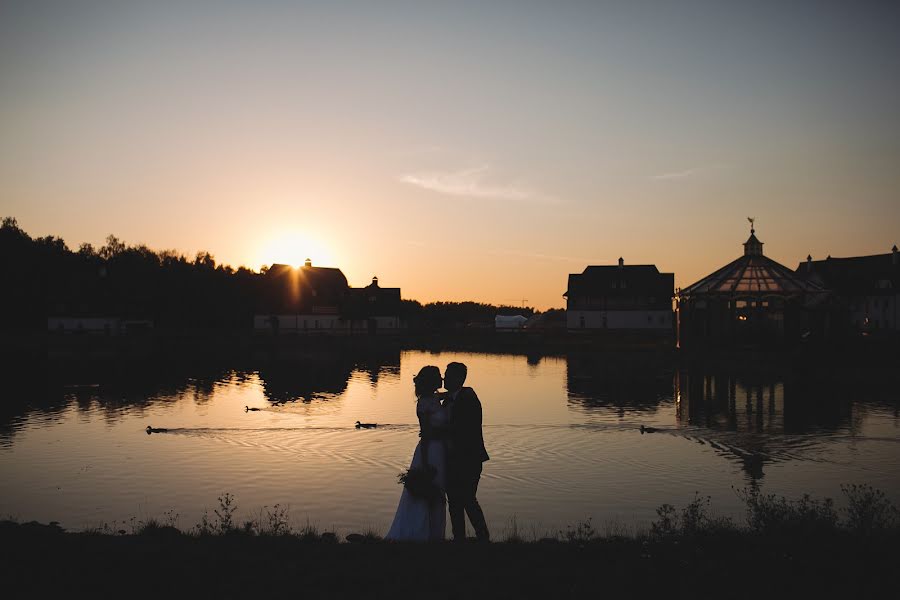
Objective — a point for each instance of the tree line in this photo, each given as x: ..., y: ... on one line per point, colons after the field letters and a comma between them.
x: 43, y: 277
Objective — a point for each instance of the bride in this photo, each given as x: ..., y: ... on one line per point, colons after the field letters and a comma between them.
x: 418, y: 518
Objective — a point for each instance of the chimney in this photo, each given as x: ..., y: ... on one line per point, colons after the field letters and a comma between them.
x: 809, y: 263
x: 375, y: 281
x: 894, y: 258
x: 622, y: 262
x: 308, y: 263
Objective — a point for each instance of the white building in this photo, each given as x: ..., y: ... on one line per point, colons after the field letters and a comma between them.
x: 509, y: 322
x: 620, y: 297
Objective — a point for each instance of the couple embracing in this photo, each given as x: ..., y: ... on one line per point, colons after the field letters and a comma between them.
x: 446, y: 464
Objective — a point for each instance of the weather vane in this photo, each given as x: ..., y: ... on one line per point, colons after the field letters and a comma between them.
x: 752, y: 220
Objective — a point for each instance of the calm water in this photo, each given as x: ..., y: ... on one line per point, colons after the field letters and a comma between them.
x: 562, y: 433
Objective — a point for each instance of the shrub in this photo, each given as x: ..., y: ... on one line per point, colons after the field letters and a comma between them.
x: 225, y: 513
x: 666, y: 523
x: 768, y: 513
x: 581, y: 533
x: 869, y: 510
x: 695, y: 519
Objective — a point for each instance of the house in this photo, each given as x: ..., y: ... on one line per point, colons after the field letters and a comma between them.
x: 304, y: 300
x: 319, y: 301
x: 866, y: 289
x: 751, y: 300
x: 373, y: 310
x: 621, y: 297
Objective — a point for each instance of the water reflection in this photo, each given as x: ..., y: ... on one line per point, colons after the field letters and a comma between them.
x: 563, y: 433
x: 45, y: 390
x: 599, y: 381
x: 749, y: 415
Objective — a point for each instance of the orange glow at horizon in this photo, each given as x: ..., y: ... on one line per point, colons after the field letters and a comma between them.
x: 294, y: 248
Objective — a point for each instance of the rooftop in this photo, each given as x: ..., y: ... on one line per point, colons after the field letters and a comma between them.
x: 752, y: 274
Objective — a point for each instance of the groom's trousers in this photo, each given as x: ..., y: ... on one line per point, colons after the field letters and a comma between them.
x: 461, y: 489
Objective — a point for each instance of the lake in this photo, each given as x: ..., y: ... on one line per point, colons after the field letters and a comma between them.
x: 562, y: 431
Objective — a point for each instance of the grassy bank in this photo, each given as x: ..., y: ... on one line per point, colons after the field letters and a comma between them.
x: 785, y: 548
x: 40, y: 561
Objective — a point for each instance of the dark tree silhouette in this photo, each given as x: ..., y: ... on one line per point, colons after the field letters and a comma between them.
x: 43, y: 278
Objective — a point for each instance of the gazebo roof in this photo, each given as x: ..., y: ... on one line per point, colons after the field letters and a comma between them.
x: 752, y: 274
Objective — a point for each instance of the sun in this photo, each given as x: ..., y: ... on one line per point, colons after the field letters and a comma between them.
x: 294, y: 248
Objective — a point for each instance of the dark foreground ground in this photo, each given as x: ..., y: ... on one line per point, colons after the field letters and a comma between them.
x: 41, y: 561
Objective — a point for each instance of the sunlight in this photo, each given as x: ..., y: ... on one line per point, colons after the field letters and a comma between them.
x: 293, y: 248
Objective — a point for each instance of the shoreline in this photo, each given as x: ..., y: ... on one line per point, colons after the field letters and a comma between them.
x: 42, y: 560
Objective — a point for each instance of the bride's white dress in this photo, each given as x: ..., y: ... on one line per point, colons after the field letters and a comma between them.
x: 416, y: 518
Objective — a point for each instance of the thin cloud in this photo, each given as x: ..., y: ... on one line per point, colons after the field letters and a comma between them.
x: 687, y: 173
x: 471, y: 183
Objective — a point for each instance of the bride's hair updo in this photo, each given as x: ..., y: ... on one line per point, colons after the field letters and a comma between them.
x: 427, y: 381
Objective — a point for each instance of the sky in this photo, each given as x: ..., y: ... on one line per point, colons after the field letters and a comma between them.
x: 457, y: 150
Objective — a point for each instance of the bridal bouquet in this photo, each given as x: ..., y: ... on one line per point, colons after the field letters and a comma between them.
x: 420, y: 483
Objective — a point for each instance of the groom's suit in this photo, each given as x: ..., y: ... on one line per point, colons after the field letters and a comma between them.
x: 466, y: 453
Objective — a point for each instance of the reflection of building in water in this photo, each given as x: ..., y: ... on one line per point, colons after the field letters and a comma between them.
x: 328, y: 376
x: 720, y: 402
x: 318, y: 300
x: 596, y: 382
x: 866, y: 289
x: 381, y: 364
x: 620, y: 298
x: 289, y: 381
x: 754, y: 416
x: 752, y: 299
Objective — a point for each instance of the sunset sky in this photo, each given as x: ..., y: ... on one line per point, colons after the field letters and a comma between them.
x: 458, y: 150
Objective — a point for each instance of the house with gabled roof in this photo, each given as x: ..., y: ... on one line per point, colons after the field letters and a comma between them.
x: 303, y: 300
x: 620, y: 298
x: 866, y: 289
x: 373, y: 309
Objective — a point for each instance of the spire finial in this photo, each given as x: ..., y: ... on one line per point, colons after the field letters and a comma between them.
x: 752, y: 221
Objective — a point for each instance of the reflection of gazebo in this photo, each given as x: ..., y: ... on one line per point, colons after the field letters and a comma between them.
x: 750, y: 300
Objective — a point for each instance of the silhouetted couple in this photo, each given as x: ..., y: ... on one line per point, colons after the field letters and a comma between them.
x: 446, y: 465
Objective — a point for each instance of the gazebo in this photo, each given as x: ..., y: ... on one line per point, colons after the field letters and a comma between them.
x: 752, y: 300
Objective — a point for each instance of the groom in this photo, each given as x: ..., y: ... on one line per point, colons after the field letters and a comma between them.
x: 466, y: 453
